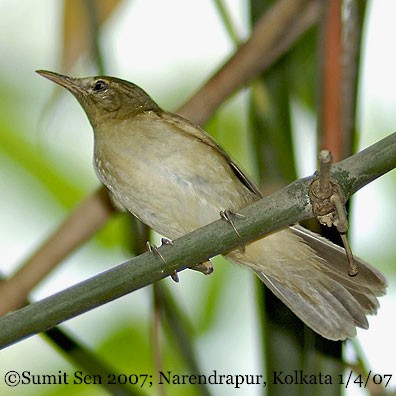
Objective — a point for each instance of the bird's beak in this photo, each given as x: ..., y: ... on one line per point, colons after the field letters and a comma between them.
x: 70, y: 83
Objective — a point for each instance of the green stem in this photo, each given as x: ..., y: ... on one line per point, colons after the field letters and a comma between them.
x: 179, y: 329
x: 225, y: 17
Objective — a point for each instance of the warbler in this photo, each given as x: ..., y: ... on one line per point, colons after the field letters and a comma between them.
x: 175, y: 178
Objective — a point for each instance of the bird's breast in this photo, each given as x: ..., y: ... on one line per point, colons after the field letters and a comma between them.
x: 173, y: 183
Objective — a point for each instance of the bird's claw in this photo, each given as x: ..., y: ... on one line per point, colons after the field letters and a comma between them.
x: 175, y: 277
x: 228, y: 216
x: 153, y: 249
x: 205, y: 268
x: 166, y: 241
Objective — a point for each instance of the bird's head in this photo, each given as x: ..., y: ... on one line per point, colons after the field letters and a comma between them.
x: 105, y: 98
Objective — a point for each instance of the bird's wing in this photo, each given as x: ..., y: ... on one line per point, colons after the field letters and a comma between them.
x: 186, y: 126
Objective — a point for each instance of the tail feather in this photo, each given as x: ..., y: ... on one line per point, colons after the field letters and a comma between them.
x: 323, y: 312
x: 310, y: 275
x: 368, y: 276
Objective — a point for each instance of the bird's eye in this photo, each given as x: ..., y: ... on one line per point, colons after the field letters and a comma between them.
x: 99, y: 85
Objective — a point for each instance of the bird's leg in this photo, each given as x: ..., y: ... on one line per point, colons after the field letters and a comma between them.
x: 206, y: 268
x: 153, y: 249
x: 166, y: 241
x: 228, y: 216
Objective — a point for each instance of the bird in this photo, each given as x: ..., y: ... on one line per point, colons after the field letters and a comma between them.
x: 175, y: 178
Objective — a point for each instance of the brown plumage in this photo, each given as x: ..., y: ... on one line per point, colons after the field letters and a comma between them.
x: 174, y: 177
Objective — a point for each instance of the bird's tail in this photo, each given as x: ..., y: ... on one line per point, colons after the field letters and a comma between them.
x: 310, y: 275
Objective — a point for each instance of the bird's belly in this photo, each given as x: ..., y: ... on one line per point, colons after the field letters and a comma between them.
x: 171, y: 202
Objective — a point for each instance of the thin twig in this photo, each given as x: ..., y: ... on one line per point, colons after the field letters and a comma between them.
x: 156, y: 334
x: 179, y: 329
x: 226, y: 19
x: 331, y: 84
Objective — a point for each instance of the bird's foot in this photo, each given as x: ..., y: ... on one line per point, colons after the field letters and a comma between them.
x: 153, y: 249
x: 166, y: 241
x: 229, y: 217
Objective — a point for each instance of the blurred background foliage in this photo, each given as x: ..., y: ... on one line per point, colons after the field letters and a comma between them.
x: 208, y: 323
